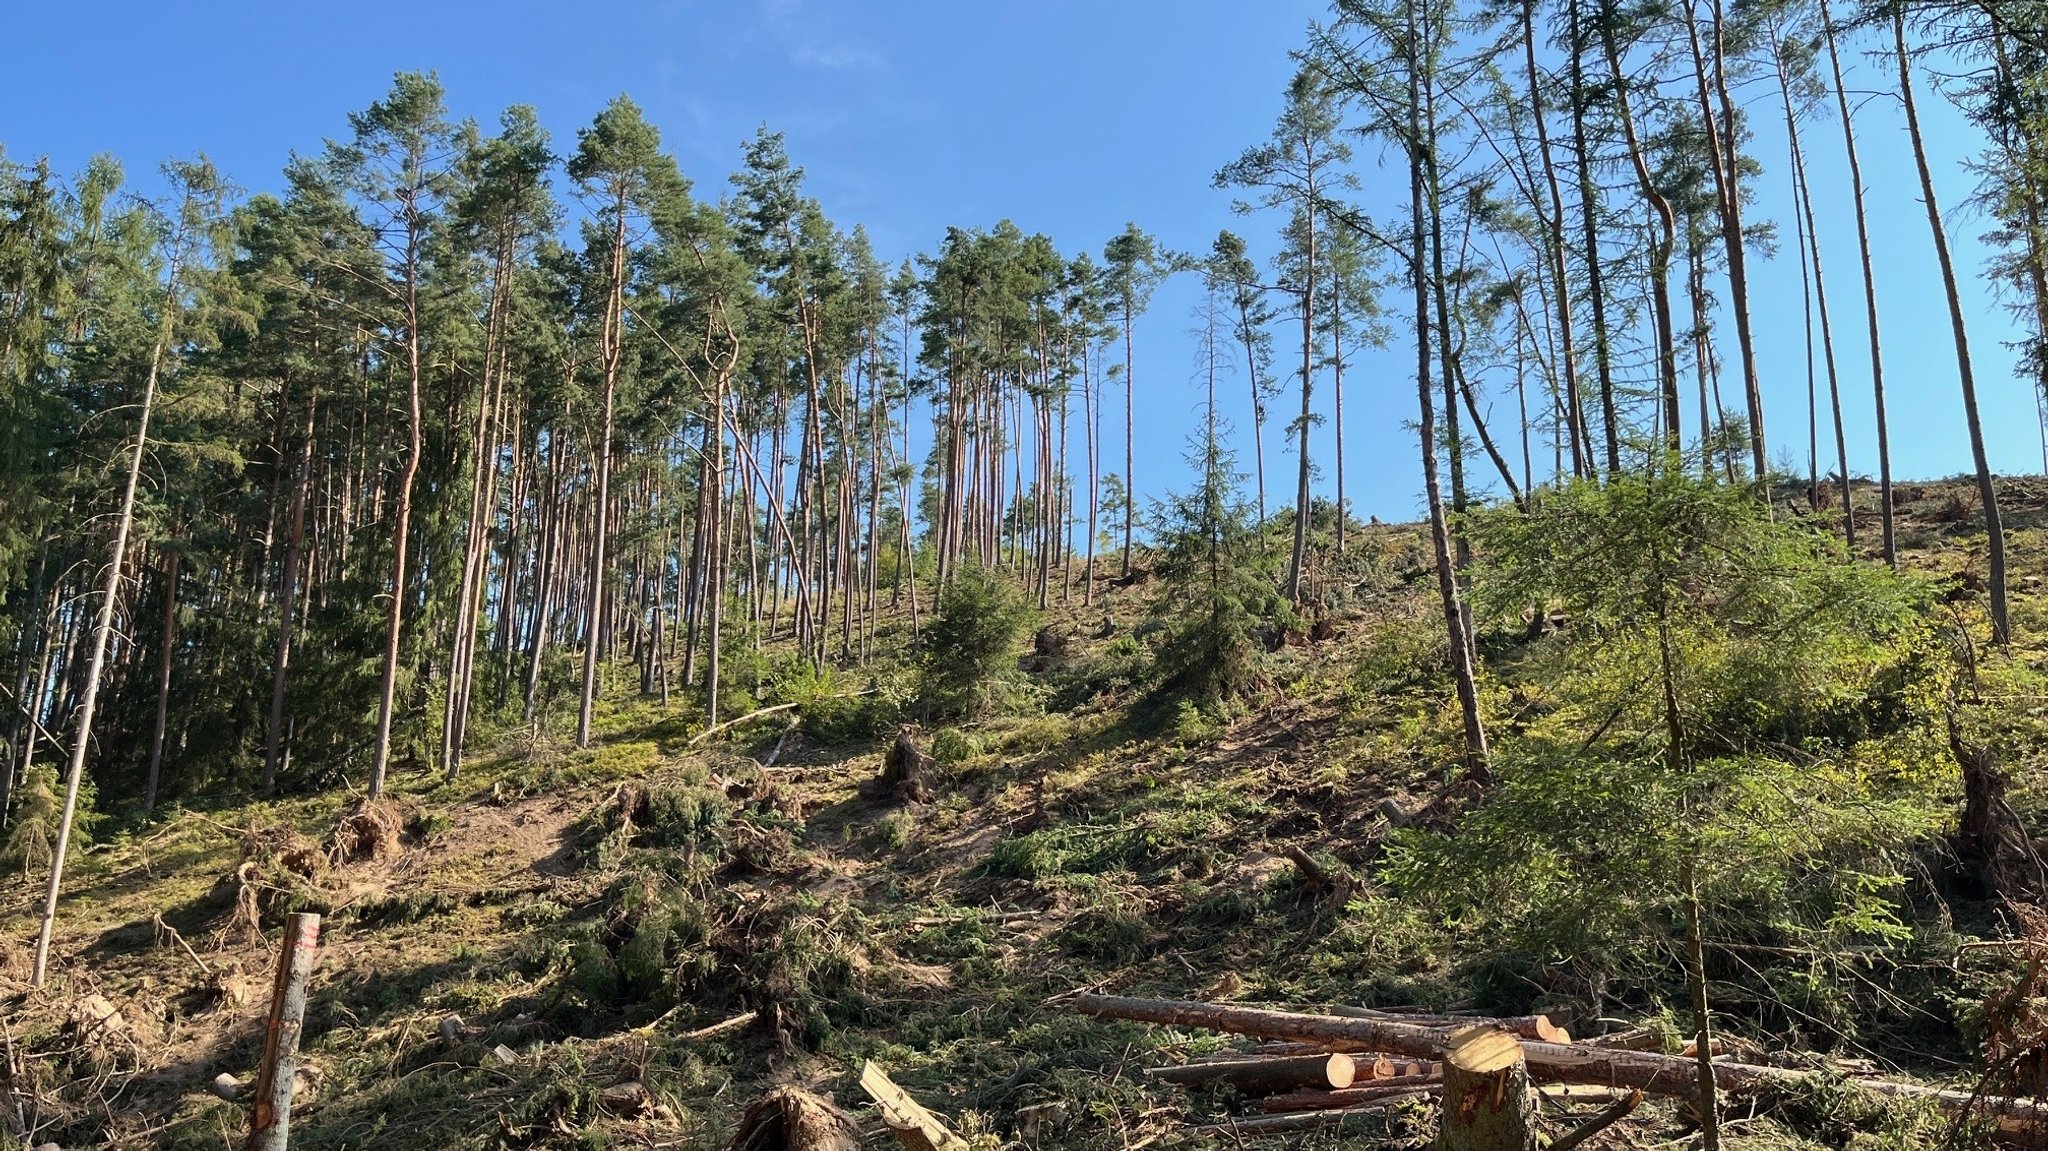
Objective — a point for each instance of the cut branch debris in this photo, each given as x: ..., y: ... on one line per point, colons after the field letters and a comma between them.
x: 914, y: 1127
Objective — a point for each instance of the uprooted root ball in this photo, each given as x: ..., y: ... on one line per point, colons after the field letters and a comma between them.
x: 368, y: 833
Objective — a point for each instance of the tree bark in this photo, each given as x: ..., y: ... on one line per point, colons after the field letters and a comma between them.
x: 1987, y: 491
x: 1487, y: 1102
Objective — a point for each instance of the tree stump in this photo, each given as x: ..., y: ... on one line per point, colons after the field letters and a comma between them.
x: 906, y: 772
x: 787, y: 1119
x: 1486, y: 1093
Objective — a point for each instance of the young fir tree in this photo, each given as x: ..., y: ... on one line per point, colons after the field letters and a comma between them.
x: 1216, y: 588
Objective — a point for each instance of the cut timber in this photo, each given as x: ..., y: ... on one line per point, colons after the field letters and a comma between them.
x: 1266, y: 1075
x: 1525, y: 1026
x: 787, y: 1119
x: 1309, y: 1120
x: 1550, y: 1062
x: 914, y: 1127
x: 1350, y: 1097
x: 1486, y: 1093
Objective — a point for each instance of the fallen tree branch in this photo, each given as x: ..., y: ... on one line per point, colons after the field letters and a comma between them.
x: 1615, y: 1112
x: 722, y: 1026
x: 1308, y: 1120
x: 757, y: 713
x: 1350, y: 1096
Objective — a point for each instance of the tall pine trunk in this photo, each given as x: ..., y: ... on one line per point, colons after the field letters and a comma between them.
x: 1987, y: 491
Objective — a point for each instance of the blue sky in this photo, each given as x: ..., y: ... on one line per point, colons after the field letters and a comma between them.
x: 1069, y: 118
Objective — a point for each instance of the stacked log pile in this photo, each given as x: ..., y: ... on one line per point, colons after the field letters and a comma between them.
x: 1321, y: 1069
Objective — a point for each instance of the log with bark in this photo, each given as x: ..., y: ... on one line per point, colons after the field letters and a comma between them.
x: 1525, y: 1026
x: 1265, y: 1075
x: 1310, y: 1120
x: 1369, y: 1092
x: 1550, y: 1062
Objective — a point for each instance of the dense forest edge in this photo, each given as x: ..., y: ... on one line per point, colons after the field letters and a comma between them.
x: 680, y: 653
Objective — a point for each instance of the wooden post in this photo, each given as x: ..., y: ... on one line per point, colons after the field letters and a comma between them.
x: 270, y: 1119
x: 1486, y: 1093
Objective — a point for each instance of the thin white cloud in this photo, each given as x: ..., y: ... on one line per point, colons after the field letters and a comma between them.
x: 837, y: 57
x: 805, y: 38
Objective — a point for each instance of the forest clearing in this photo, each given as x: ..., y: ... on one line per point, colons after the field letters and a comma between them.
x: 514, y: 638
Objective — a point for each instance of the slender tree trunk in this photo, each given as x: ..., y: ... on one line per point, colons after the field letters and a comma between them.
x: 1987, y: 491
x: 1804, y: 192
x: 1130, y: 423
x: 1336, y: 396
x: 288, y: 594
x: 1439, y: 530
x: 1660, y: 246
x: 167, y: 647
x: 103, y: 625
x: 1575, y: 421
x: 1299, y: 556
x: 1720, y: 141
x: 387, y: 692
x: 613, y: 342
x: 1884, y: 450
x: 1589, y: 208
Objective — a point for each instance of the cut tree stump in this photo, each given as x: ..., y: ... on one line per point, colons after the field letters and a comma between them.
x: 1266, y: 1075
x: 914, y: 1127
x: 1487, y: 1105
x: 906, y: 772
x: 787, y: 1119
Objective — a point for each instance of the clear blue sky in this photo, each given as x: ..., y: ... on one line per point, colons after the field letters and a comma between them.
x: 912, y: 115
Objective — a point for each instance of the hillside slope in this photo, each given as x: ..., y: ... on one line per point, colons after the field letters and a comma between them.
x: 584, y: 912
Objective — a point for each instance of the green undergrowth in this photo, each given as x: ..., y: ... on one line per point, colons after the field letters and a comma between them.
x: 585, y: 910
